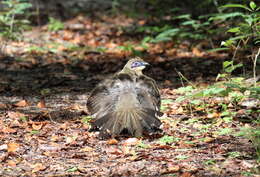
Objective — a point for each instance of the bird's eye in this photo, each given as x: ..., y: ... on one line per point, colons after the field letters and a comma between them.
x: 135, y: 64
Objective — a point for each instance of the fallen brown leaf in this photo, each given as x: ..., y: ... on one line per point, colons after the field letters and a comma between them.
x: 112, y: 141
x: 186, y: 174
x: 41, y: 104
x: 87, y: 149
x: 11, y: 163
x: 21, y: 103
x: 38, y: 167
x: 131, y: 142
x: 12, y: 147
x: 37, y: 126
x: 8, y: 130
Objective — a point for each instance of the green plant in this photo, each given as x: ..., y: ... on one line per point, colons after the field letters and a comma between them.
x: 248, y: 28
x: 34, y: 132
x: 224, y: 131
x: 164, y: 104
x: 234, y: 154
x: 86, y: 119
x: 72, y: 169
x: 252, y: 134
x: 141, y: 144
x: 55, y: 25
x: 24, y: 119
x: 234, y: 89
x: 11, y: 25
x: 181, y: 157
x: 209, y: 162
x: 167, y: 139
x: 131, y: 48
x: 245, y: 31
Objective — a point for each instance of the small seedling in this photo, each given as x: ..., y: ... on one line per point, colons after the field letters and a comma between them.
x: 55, y: 25
x: 141, y: 144
x: 167, y: 140
x: 72, y: 169
x: 181, y: 157
x: 209, y: 162
x: 86, y: 119
x: 24, y: 118
x: 225, y: 131
x: 34, y: 132
x: 234, y: 154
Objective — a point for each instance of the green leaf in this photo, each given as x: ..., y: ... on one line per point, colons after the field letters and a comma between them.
x: 166, y: 35
x: 195, y: 102
x: 181, y: 157
x: 225, y: 16
x: 234, y: 30
x: 73, y: 169
x: 227, y: 63
x: 86, y: 119
x: 181, y: 98
x: 209, y: 162
x: 225, y: 131
x: 185, y: 16
x: 218, y: 49
x: 252, y: 5
x: 185, y: 89
x: 234, y: 154
x: 34, y: 132
x: 142, y: 145
x: 236, y: 5
x: 168, y: 139
x: 167, y: 101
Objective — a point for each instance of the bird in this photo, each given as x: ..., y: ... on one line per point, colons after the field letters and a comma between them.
x: 128, y: 103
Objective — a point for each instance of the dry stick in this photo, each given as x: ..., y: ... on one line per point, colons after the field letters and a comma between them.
x: 183, y: 77
x: 235, y: 52
x: 254, y: 66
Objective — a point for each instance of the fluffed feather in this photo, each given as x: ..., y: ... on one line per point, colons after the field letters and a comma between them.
x: 127, y: 103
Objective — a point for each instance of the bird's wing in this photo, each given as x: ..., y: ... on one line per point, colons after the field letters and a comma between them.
x: 148, y: 93
x: 104, y: 98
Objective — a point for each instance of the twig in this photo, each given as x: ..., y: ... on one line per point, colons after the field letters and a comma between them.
x: 183, y: 77
x: 254, y: 66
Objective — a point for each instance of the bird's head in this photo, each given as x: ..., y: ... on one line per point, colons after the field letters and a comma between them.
x: 136, y: 64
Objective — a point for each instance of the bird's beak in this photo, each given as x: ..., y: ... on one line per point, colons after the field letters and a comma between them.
x: 145, y: 63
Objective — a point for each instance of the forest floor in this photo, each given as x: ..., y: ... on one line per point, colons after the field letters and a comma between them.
x: 44, y: 85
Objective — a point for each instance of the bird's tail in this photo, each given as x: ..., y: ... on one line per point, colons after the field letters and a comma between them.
x: 134, y: 121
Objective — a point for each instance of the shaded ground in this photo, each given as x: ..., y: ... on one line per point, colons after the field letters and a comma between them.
x: 43, y: 124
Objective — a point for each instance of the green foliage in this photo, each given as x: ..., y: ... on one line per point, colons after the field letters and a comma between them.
x: 188, y: 28
x: 248, y: 28
x: 55, y: 25
x: 141, y: 144
x: 72, y: 169
x: 182, y: 157
x: 234, y: 154
x: 209, y: 162
x: 224, y: 131
x: 10, y: 24
x: 86, y: 119
x: 34, y: 132
x: 254, y: 135
x: 24, y: 118
x: 234, y: 90
x: 131, y: 48
x: 167, y: 139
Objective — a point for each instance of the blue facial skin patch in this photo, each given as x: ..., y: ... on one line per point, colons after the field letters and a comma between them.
x: 138, y: 64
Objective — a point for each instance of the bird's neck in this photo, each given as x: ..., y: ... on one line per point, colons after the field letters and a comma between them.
x: 132, y: 72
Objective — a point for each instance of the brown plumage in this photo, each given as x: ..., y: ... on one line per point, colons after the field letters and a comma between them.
x: 127, y: 103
